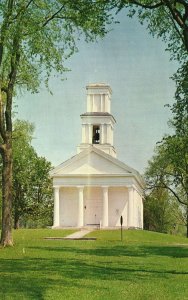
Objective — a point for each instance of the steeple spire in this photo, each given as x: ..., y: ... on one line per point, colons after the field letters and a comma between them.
x: 97, y: 122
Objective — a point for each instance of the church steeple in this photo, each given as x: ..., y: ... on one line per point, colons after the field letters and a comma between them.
x: 97, y: 122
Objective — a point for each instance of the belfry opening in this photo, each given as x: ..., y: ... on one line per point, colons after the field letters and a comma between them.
x: 96, y: 134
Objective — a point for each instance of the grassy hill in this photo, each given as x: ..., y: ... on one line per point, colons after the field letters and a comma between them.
x: 145, y: 265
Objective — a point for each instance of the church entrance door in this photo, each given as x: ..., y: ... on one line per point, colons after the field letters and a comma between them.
x: 93, y: 211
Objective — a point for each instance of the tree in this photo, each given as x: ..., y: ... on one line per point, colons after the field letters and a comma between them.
x: 33, y: 198
x: 165, y: 18
x: 36, y: 36
x: 161, y: 211
x: 32, y: 187
x: 40, y: 197
x: 168, y: 169
x: 23, y: 166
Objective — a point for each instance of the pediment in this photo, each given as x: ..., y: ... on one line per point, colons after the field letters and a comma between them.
x: 92, y: 161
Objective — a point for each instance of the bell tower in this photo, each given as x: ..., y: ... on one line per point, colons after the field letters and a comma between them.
x: 97, y: 122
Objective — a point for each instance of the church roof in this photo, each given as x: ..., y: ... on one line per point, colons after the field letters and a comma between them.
x: 95, y: 162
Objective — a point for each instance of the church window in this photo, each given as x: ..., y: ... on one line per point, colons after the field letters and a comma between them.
x: 96, y: 134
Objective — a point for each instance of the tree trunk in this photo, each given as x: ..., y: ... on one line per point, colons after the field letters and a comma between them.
x: 187, y: 221
x: 16, y: 221
x: 6, y: 233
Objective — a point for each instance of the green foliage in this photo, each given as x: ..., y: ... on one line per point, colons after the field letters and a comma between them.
x: 162, y: 212
x: 32, y: 196
x: 168, y: 168
x: 145, y: 265
x: 180, y: 107
x: 169, y: 164
x: 43, y: 33
x: 161, y: 24
x: 40, y: 204
x: 165, y: 19
x: 0, y: 206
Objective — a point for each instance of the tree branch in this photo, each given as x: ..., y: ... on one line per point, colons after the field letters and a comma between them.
x: 175, y: 14
x: 176, y: 28
x: 15, y: 58
x: 53, y: 16
x: 165, y: 186
x: 5, y: 26
x: 175, y: 195
x: 23, y: 9
x: 152, y: 6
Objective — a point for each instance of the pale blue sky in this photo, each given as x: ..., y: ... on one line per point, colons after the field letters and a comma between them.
x: 136, y: 67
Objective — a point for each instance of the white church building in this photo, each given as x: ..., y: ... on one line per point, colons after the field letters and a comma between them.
x: 94, y: 188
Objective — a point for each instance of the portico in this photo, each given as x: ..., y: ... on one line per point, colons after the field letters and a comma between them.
x: 82, y: 203
x: 89, y: 211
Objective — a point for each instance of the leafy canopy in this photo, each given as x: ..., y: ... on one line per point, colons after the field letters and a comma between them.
x: 32, y: 187
x: 165, y: 19
x: 41, y: 34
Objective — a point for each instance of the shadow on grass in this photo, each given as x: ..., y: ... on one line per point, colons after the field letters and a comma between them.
x: 135, y: 251
x: 169, y: 251
x: 32, y: 277
x: 35, y: 275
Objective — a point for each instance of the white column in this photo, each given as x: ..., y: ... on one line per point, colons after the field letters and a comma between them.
x: 102, y: 133
x: 101, y: 103
x: 105, y: 103
x: 142, y: 212
x: 108, y: 133
x: 105, y: 134
x: 56, y: 207
x: 87, y: 133
x: 112, y: 135
x: 136, y: 208
x: 80, y: 222
x: 105, y: 207
x: 130, y: 206
x: 90, y: 133
x: 92, y: 102
x: 109, y: 104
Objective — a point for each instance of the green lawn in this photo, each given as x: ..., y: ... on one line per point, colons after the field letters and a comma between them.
x: 145, y: 265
